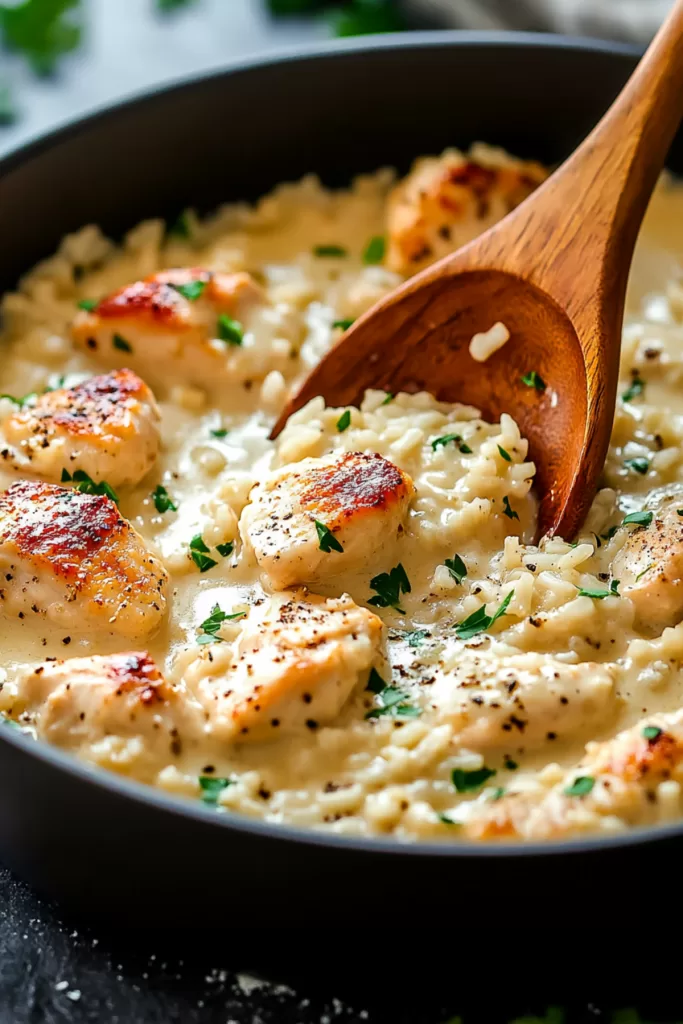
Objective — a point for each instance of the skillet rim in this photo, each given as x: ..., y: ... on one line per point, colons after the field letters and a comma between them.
x: 153, y: 798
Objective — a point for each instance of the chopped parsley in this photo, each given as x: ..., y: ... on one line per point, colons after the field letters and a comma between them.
x: 637, y: 519
x: 636, y: 388
x: 42, y: 32
x: 415, y: 637
x: 532, y: 380
x: 441, y: 442
x: 445, y: 820
x: 343, y: 324
x: 389, y: 398
x: 389, y: 586
x: 330, y: 250
x: 163, y: 502
x: 374, y: 250
x: 508, y: 510
x: 88, y: 305
x: 581, y: 786
x: 497, y: 793
x: 614, y: 587
x: 479, y: 621
x: 344, y: 421
x: 86, y: 485
x: 505, y: 455
x: 229, y: 330
x: 212, y: 787
x: 225, y: 549
x: 192, y: 290
x: 199, y: 553
x: 679, y: 511
x: 375, y: 682
x: 456, y: 568
x: 180, y: 227
x: 219, y: 433
x: 121, y: 344
x: 511, y: 765
x: 638, y: 465
x: 597, y: 594
x: 607, y: 536
x: 652, y: 732
x: 646, y: 569
x: 213, y: 623
x: 467, y: 782
x: 394, y: 702
x: 326, y: 539
x: 21, y: 402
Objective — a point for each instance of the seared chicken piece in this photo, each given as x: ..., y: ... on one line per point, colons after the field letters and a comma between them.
x: 359, y: 501
x: 296, y: 664
x: 108, y: 427
x: 76, y: 704
x: 166, y: 336
x: 75, y: 560
x: 448, y: 200
x: 519, y: 703
x: 650, y: 564
x: 617, y: 778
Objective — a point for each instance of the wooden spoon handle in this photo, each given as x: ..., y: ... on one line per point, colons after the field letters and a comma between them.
x: 607, y: 183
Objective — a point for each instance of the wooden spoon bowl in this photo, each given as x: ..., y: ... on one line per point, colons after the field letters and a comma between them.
x: 554, y: 272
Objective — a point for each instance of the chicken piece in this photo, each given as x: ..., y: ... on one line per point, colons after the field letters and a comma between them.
x: 296, y: 663
x: 522, y: 702
x: 448, y: 200
x: 617, y: 778
x: 76, y: 704
x: 73, y: 559
x: 166, y: 336
x: 108, y: 427
x: 650, y: 564
x: 360, y: 500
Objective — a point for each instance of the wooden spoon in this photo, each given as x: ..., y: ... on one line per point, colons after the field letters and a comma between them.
x: 554, y: 271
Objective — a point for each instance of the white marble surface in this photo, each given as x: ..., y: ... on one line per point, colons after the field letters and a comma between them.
x: 129, y: 46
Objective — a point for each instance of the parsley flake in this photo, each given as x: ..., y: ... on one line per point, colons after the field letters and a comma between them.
x: 180, y: 228
x: 389, y: 587
x: 532, y: 380
x: 326, y: 539
x: 415, y: 637
x: 508, y: 510
x: 597, y: 594
x: 394, y: 703
x: 86, y: 485
x: 467, y: 782
x: 646, y: 569
x: 212, y: 787
x: 389, y: 398
x: 121, y: 344
x: 163, y: 502
x: 225, y: 549
x: 211, y: 625
x: 375, y: 682
x: 229, y: 330
x: 456, y: 568
x: 636, y: 388
x: 192, y: 290
x: 42, y: 32
x: 652, y: 732
x: 343, y: 324
x: 505, y: 455
x: 199, y: 553
x: 581, y: 786
x: 614, y: 587
x: 511, y: 765
x: 344, y: 421
x: 637, y: 519
x: 330, y: 251
x: 497, y: 793
x: 638, y: 465
x: 441, y: 442
x: 445, y: 820
x: 220, y: 433
x: 21, y: 402
x: 374, y: 250
x: 610, y: 533
x: 479, y: 621
x: 88, y: 304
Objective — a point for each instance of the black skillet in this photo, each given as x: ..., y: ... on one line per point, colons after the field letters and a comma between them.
x: 108, y: 846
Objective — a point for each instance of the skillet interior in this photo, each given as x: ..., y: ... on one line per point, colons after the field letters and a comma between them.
x: 111, y: 846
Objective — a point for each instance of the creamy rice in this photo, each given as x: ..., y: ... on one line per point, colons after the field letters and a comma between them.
x: 473, y: 498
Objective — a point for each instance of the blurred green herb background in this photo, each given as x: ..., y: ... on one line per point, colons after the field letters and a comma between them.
x: 44, y: 31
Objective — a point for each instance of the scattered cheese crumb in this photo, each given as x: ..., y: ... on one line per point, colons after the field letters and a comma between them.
x: 484, y: 345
